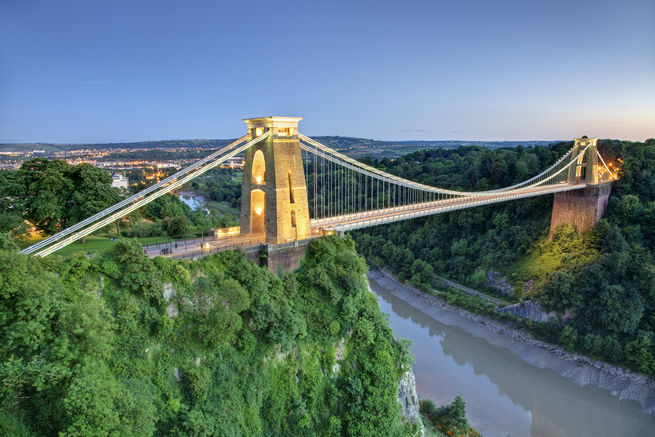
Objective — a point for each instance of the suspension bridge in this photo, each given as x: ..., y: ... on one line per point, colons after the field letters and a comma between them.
x: 295, y: 189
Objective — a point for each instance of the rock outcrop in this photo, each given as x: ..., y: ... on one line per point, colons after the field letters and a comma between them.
x: 530, y: 309
x: 408, y: 399
x: 169, y: 291
x: 495, y: 280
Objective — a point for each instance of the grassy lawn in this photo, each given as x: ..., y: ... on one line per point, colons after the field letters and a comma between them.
x: 96, y: 244
x: 222, y: 208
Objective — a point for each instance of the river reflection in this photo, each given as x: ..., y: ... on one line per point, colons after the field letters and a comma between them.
x: 504, y: 395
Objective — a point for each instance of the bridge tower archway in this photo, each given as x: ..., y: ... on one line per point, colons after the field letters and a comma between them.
x: 274, y: 183
x: 585, y: 170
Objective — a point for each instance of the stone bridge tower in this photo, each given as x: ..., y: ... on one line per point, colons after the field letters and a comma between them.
x: 586, y: 169
x: 581, y: 208
x: 274, y: 192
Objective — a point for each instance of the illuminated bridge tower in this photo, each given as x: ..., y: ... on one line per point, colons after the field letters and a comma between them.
x: 274, y: 192
x: 586, y: 169
x: 582, y: 208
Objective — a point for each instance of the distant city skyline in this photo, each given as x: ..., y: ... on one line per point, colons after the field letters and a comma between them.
x: 87, y: 72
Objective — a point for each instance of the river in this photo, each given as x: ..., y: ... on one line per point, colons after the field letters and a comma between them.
x: 504, y: 395
x: 193, y: 200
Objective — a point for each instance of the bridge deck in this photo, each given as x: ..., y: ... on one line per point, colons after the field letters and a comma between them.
x: 388, y: 215
x: 200, y: 247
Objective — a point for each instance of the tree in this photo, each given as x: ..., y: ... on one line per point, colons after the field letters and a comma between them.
x: 450, y: 419
x: 561, y: 293
x: 569, y: 337
x: 165, y: 206
x: 421, y: 272
x: 133, y: 270
x: 640, y: 352
x: 56, y: 195
x: 177, y: 227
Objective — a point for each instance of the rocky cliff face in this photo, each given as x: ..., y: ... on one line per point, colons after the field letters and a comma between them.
x: 408, y: 399
x: 499, y: 282
x: 529, y: 309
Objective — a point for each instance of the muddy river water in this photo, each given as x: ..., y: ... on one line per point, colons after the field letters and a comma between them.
x: 504, y: 395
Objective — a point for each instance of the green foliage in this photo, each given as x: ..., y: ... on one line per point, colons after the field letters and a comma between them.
x: 92, y: 347
x: 568, y: 252
x: 449, y: 419
x: 133, y: 270
x: 568, y: 337
x: 165, y: 206
x: 53, y: 195
x: 601, y: 282
x: 177, y: 227
x: 641, y: 352
x: 220, y: 186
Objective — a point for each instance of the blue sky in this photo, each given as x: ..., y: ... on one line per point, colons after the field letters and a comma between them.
x: 102, y: 71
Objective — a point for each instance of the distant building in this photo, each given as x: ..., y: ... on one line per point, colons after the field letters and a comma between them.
x: 119, y: 181
x: 233, y: 162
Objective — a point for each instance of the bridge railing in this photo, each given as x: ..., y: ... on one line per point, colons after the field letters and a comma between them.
x: 357, y: 221
x: 188, y: 251
x: 141, y: 201
x: 134, y: 198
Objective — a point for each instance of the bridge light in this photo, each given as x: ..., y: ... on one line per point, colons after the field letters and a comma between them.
x: 259, y: 168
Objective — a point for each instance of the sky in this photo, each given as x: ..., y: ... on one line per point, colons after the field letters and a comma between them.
x: 113, y: 71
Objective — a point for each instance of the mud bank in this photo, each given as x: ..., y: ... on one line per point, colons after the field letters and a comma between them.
x: 581, y: 370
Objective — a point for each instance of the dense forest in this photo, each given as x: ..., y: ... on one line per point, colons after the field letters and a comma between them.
x: 601, y: 283
x: 124, y: 345
x: 117, y: 343
x: 121, y: 343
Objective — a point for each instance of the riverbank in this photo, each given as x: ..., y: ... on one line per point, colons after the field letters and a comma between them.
x: 583, y: 371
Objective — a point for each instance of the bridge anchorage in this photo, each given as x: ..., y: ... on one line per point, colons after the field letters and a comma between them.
x: 295, y: 189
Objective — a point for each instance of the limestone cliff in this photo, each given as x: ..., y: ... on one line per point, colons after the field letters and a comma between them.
x: 408, y: 399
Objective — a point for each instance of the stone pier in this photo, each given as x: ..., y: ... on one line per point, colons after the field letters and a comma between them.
x: 580, y: 208
x: 286, y: 256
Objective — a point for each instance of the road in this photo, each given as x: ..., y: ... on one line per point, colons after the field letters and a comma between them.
x: 199, y: 247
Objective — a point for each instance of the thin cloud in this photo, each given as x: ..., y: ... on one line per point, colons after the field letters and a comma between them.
x: 79, y: 82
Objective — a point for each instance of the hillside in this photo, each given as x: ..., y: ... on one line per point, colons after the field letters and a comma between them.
x: 125, y: 345
x: 350, y: 145
x: 601, y: 283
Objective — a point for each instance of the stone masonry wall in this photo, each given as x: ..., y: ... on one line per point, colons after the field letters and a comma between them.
x: 286, y: 256
x: 580, y: 208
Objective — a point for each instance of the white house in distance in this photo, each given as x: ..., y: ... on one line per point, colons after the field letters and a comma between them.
x: 119, y: 181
